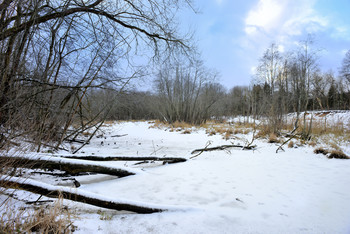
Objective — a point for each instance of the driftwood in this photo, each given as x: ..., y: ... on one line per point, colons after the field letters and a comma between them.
x: 80, y: 141
x: 223, y: 147
x: 75, y: 195
x: 290, y: 136
x: 128, y: 158
x: 70, y: 167
x: 119, y: 135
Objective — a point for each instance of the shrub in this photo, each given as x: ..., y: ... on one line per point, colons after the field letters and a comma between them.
x: 312, y: 143
x: 273, y: 138
x: 49, y: 219
x: 338, y: 154
x: 227, y: 135
x: 321, y: 151
x: 291, y: 144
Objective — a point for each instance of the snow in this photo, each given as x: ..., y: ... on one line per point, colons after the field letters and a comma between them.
x: 27, y: 181
x: 235, y: 191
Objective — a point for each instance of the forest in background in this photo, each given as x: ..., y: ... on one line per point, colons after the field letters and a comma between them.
x: 66, y: 67
x: 283, y: 83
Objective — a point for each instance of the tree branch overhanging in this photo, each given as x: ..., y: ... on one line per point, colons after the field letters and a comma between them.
x: 88, y: 9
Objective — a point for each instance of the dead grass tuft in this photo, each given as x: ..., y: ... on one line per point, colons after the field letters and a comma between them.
x: 228, y: 135
x: 321, y: 151
x: 339, y: 154
x: 238, y: 131
x: 312, y: 143
x: 334, y: 145
x: 48, y: 219
x: 220, y: 129
x: 273, y: 138
x: 181, y: 125
x: 291, y: 144
x: 211, y: 132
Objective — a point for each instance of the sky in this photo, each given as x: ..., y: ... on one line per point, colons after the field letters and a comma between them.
x: 233, y: 34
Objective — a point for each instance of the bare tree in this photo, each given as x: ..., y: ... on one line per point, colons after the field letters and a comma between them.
x: 345, y: 68
x: 270, y: 66
x: 186, y: 93
x: 53, y: 52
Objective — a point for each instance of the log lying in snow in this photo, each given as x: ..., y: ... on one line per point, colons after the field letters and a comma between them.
x: 71, y: 166
x: 77, y: 195
x: 128, y: 158
x: 223, y: 147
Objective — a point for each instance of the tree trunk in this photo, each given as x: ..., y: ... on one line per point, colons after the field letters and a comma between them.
x: 128, y: 158
x: 70, y: 166
x: 76, y: 195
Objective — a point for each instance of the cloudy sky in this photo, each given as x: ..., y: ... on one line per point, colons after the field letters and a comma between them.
x: 233, y: 34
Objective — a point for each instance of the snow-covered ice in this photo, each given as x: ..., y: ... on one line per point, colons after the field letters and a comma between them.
x: 236, y: 191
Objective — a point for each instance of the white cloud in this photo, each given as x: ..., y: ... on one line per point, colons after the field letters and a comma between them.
x: 219, y: 2
x: 253, y: 70
x: 344, y: 51
x: 341, y: 32
x: 290, y: 17
x: 281, y: 48
x: 282, y: 22
x: 265, y: 15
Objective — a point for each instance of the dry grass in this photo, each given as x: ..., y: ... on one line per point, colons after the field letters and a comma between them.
x: 331, y: 134
x: 176, y: 126
x: 339, y: 154
x: 53, y: 218
x: 228, y: 134
x: 263, y: 131
x: 312, y: 143
x: 158, y: 124
x: 321, y: 127
x: 48, y: 219
x: 211, y: 132
x: 109, y: 122
x: 220, y: 129
x: 321, y: 151
x: 86, y: 134
x: 273, y: 138
x: 238, y: 131
x: 181, y: 125
x: 291, y: 144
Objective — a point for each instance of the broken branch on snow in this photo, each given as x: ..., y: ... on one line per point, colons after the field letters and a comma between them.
x: 223, y: 147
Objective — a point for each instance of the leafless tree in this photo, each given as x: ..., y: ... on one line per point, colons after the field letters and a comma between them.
x: 345, y: 68
x: 186, y: 92
x: 53, y: 52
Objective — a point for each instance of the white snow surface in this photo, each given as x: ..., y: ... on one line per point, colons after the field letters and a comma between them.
x: 236, y: 191
x: 239, y: 191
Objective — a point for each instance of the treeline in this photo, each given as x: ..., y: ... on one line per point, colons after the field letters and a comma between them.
x: 240, y: 100
x: 284, y: 83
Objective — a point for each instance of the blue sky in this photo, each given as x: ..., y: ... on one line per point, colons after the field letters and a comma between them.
x: 233, y: 34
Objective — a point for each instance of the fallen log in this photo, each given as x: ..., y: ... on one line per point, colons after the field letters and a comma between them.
x: 223, y: 147
x: 127, y: 158
x: 119, y: 135
x: 75, y: 141
x: 70, y: 166
x: 76, y: 195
